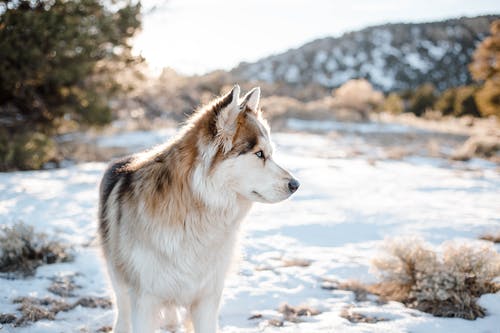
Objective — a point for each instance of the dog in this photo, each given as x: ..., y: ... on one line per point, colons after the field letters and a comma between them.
x: 169, y: 217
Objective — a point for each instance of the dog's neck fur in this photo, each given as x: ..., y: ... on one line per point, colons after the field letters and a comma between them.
x: 179, y: 175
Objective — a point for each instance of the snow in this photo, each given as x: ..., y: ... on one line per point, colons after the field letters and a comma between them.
x: 320, y: 58
x: 292, y: 74
x: 436, y: 51
x: 337, y: 221
x: 416, y: 61
x: 350, y: 127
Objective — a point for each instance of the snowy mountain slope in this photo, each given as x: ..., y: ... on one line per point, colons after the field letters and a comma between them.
x: 391, y: 56
x: 336, y: 222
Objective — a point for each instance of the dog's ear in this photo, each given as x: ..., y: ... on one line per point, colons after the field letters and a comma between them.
x: 251, y: 99
x: 227, y: 116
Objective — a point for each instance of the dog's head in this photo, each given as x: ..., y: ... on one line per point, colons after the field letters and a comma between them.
x: 242, y: 150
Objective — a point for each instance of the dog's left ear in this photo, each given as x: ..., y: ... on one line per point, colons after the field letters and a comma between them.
x: 251, y: 100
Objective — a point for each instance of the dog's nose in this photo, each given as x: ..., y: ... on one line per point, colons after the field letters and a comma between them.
x: 293, y: 185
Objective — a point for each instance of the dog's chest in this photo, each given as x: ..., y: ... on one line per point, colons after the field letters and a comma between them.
x: 181, y: 265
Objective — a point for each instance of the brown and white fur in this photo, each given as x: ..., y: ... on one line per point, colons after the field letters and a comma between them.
x: 169, y: 217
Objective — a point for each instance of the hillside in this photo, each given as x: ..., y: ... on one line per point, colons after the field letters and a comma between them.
x: 391, y: 56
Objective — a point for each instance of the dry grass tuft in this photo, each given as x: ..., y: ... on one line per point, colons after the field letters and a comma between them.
x: 94, y: 302
x: 296, y: 262
x: 63, y: 286
x: 7, y: 318
x: 22, y: 250
x: 446, y: 284
x: 292, y: 313
x: 355, y: 317
x: 360, y: 290
x: 34, y: 309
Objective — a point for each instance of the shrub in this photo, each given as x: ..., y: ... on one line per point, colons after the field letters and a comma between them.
x: 422, y: 99
x: 358, y: 95
x: 30, y: 150
x: 22, y: 250
x: 465, y: 103
x: 446, y: 102
x: 58, y: 61
x: 488, y: 99
x: 445, y: 284
x: 393, y: 104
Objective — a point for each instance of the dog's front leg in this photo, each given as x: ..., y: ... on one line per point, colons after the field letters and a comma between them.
x: 145, y: 312
x: 204, y: 313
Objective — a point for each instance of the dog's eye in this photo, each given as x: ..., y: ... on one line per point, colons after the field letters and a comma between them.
x: 260, y: 154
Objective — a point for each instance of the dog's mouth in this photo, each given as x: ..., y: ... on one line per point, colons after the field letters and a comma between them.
x: 257, y: 194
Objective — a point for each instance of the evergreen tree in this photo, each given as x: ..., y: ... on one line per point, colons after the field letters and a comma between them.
x: 57, y: 60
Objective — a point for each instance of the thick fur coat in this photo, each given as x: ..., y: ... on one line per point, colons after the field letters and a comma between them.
x: 169, y: 217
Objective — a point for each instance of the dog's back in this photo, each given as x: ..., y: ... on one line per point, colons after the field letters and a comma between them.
x: 115, y: 175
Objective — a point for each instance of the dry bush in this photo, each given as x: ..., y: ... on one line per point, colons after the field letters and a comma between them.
x: 34, y: 309
x: 278, y: 106
x: 445, y: 284
x: 358, y: 95
x: 22, y: 250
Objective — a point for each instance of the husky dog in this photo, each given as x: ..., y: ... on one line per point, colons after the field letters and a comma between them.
x: 169, y: 217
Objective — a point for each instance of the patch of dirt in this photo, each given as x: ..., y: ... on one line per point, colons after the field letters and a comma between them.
x: 255, y: 316
x: 495, y: 238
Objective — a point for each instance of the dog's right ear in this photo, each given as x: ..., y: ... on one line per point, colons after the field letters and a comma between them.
x: 227, y: 115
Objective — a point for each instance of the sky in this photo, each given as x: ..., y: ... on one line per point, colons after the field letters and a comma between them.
x: 198, y: 36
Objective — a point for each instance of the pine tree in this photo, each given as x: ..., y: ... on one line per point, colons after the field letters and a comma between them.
x: 57, y: 60
x: 485, y: 67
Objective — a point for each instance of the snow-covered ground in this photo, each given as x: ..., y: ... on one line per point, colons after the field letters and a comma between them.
x: 337, y: 222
